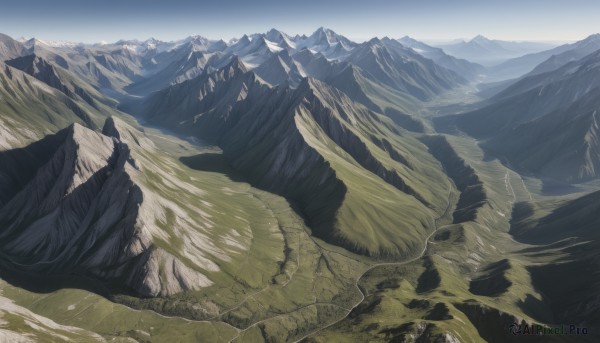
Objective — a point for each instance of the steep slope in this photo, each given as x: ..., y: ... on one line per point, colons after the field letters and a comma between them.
x: 328, y: 176
x: 358, y: 85
x: 536, y: 95
x: 328, y: 43
x: 361, y: 87
x: 403, y: 69
x: 568, y: 53
x: 254, y: 52
x: 313, y: 120
x: 316, y: 65
x: 281, y: 39
x: 563, y: 144
x: 280, y: 69
x: 204, y: 104
x: 544, y: 61
x: 108, y: 68
x: 88, y: 216
x: 489, y: 52
x: 544, y: 123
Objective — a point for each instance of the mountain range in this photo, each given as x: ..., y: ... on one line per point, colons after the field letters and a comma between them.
x: 491, y: 51
x: 280, y: 187
x: 545, y: 123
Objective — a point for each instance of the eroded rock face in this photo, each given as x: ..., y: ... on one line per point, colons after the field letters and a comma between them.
x: 79, y: 213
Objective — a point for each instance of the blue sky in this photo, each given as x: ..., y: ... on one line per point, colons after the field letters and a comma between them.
x: 109, y: 20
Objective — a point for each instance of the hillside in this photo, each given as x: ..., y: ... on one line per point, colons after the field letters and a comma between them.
x: 544, y: 124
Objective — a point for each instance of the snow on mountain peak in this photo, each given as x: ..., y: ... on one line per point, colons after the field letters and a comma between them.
x: 51, y: 43
x: 480, y: 39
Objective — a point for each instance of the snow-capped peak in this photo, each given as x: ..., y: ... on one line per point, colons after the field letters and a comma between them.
x: 51, y: 43
x: 282, y: 39
x: 480, y: 39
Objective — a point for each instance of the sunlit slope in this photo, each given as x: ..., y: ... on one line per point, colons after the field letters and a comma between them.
x: 127, y: 216
x: 319, y: 149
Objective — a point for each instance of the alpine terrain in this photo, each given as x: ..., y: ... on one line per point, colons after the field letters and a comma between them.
x: 285, y: 188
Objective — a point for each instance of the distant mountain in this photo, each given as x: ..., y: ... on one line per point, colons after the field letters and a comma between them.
x: 403, y: 69
x: 255, y: 51
x: 282, y: 39
x: 327, y: 42
x: 108, y: 68
x: 546, y: 123
x: 462, y: 67
x: 552, y: 59
x: 280, y: 69
x: 569, y: 53
x: 391, y: 75
x: 59, y: 78
x: 563, y: 145
x: 489, y: 52
x: 204, y: 104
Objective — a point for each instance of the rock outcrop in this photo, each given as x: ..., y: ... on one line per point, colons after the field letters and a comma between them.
x: 72, y: 206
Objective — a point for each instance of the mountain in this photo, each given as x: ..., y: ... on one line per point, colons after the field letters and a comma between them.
x: 309, y: 123
x: 316, y: 64
x: 182, y: 64
x: 138, y: 66
x: 570, y: 228
x: 328, y: 43
x: 208, y: 98
x: 283, y: 60
x: 128, y: 69
x: 489, y: 52
x: 279, y: 70
x: 562, y: 145
x: 108, y: 206
x: 552, y: 59
x: 31, y: 109
x: 282, y: 39
x: 254, y: 52
x: 88, y: 216
x: 571, y: 52
x: 403, y: 69
x: 107, y: 68
x: 462, y: 67
x: 545, y: 123
x: 61, y: 79
x: 245, y: 117
x: 285, y: 188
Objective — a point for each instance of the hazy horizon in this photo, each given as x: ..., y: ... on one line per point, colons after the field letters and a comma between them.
x: 429, y: 20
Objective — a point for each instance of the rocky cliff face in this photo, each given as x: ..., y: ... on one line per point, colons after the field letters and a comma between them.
x: 81, y: 212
